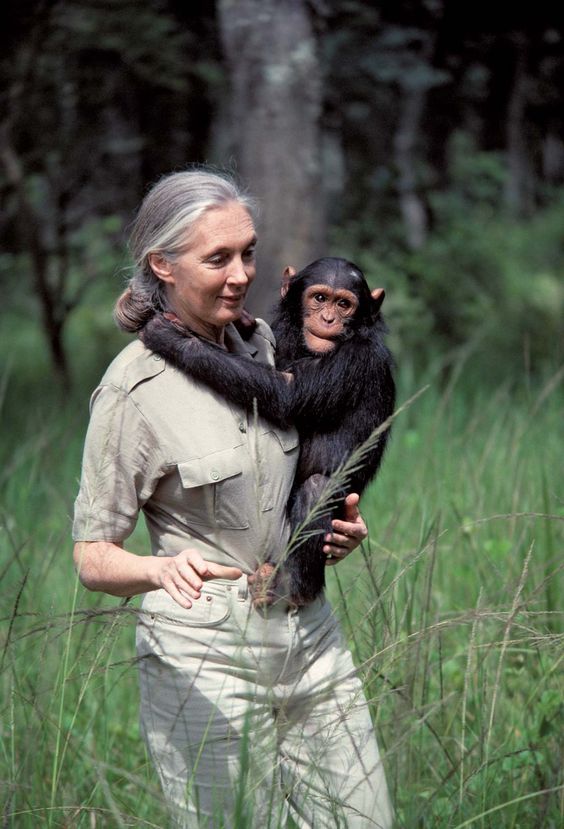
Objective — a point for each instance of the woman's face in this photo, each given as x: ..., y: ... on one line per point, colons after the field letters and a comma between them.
x: 207, y: 284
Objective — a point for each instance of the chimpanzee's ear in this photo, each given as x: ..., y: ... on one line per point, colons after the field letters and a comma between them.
x: 289, y: 272
x: 378, y: 295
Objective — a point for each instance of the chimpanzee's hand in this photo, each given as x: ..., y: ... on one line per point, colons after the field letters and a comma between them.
x: 268, y: 585
x: 246, y: 324
x: 261, y: 586
x: 347, y: 533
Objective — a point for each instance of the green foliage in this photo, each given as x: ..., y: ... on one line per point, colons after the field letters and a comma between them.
x: 448, y: 609
x: 450, y: 614
x: 96, y: 273
x: 483, y: 283
x: 91, y: 88
x: 133, y: 30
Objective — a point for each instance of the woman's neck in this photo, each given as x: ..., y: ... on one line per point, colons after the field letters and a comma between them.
x: 213, y: 333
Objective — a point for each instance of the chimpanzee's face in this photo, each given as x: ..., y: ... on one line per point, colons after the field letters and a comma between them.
x: 327, y: 308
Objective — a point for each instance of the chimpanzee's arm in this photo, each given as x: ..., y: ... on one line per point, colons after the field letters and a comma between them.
x: 238, y: 379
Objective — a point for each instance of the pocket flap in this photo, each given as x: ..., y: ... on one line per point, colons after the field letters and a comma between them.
x: 210, y: 469
x: 288, y: 440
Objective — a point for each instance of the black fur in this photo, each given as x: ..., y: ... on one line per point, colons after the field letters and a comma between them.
x: 238, y: 379
x: 339, y: 399
x: 336, y: 400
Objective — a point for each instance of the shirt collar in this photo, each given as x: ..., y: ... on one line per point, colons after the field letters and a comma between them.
x: 236, y: 344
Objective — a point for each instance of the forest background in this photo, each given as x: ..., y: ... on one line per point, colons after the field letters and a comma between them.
x: 423, y: 139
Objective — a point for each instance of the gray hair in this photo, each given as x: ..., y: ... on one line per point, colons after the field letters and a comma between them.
x: 165, y: 219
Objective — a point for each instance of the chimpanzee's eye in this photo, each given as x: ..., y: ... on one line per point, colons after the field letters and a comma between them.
x: 319, y: 297
x: 345, y: 303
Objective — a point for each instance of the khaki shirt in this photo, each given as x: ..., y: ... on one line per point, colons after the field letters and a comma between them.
x: 204, y: 472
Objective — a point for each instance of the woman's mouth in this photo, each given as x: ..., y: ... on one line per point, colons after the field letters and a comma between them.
x: 233, y: 300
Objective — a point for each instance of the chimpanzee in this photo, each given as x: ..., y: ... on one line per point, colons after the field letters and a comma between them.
x: 329, y: 334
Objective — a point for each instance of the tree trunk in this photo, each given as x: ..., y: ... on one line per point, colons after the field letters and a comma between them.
x: 553, y: 157
x: 412, y: 206
x: 520, y: 187
x: 273, y: 117
x: 52, y: 305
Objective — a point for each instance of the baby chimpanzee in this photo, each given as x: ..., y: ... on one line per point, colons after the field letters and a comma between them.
x: 330, y: 337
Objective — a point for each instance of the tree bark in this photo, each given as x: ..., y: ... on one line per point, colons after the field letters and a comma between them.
x: 412, y: 206
x: 52, y: 304
x: 414, y: 91
x: 273, y: 116
x: 553, y: 157
x: 520, y: 187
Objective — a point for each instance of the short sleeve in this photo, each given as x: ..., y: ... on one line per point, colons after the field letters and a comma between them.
x: 120, y: 469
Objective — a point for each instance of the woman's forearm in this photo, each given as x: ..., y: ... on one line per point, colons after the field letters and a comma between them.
x: 106, y: 567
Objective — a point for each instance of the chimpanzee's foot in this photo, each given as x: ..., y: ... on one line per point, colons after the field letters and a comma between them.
x: 268, y: 585
x: 261, y: 586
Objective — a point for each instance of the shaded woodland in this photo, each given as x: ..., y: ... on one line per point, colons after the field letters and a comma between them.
x: 422, y: 138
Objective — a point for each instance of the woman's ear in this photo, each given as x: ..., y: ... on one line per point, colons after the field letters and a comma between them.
x: 161, y: 267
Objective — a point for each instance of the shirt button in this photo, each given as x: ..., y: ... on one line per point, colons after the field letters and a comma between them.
x: 242, y: 427
x: 214, y: 475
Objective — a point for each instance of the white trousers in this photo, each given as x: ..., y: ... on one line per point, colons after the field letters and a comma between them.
x: 251, y: 716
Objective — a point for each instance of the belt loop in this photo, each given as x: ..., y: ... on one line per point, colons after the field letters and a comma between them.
x: 243, y: 589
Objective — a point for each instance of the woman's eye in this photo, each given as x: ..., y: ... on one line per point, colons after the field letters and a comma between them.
x: 249, y: 254
x: 216, y: 259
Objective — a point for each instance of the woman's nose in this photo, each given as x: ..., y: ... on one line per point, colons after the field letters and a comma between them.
x: 238, y: 272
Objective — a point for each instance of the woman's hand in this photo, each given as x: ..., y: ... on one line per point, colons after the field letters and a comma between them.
x: 105, y: 566
x: 347, y: 533
x: 182, y: 575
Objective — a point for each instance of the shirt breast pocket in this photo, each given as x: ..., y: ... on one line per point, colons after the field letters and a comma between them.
x: 214, y: 490
x: 282, y: 449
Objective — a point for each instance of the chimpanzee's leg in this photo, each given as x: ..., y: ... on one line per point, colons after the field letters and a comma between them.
x: 304, y: 567
x: 300, y: 576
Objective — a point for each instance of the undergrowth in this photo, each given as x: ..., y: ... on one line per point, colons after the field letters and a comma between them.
x: 451, y: 609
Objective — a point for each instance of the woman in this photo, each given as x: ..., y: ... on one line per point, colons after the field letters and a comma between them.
x: 241, y: 708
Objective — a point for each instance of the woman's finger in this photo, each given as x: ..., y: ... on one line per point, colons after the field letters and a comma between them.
x: 192, y: 560
x: 195, y: 559
x: 221, y: 571
x: 176, y: 594
x: 188, y: 581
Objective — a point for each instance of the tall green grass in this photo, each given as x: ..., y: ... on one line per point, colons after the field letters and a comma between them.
x: 451, y: 608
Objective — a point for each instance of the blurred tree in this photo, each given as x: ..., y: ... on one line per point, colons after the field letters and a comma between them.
x: 520, y: 186
x: 361, y: 112
x: 403, y: 77
x: 381, y: 91
x: 79, y: 86
x: 414, y: 76
x: 273, y: 120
